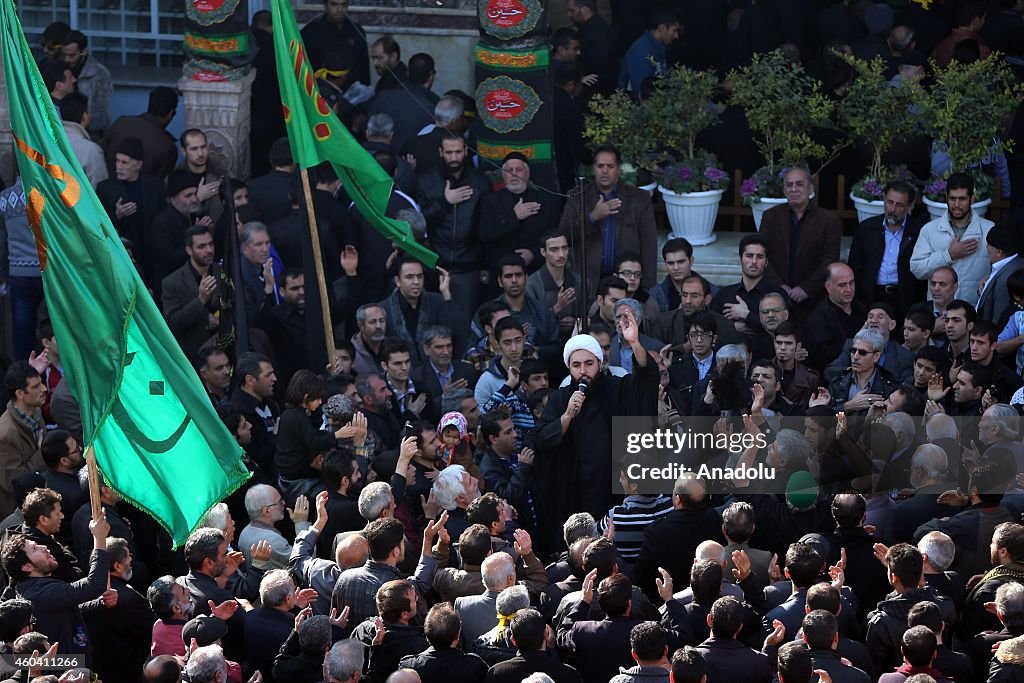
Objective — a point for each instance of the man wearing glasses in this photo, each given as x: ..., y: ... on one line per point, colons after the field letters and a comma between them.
x: 629, y: 267
x: 691, y: 374
x: 63, y: 458
x: 865, y: 382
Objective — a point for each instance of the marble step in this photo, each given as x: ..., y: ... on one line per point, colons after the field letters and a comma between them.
x: 719, y: 261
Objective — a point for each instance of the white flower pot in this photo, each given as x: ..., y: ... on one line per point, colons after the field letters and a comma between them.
x: 692, y: 214
x: 650, y: 187
x: 938, y: 209
x: 762, y: 205
x: 867, y: 209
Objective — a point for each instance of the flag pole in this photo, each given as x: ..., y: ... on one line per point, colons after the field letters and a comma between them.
x: 94, y: 483
x: 318, y: 263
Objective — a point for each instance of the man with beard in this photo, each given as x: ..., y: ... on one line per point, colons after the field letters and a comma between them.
x: 450, y: 197
x: 956, y: 239
x: 574, y: 431
x: 285, y: 325
x: 373, y: 325
x: 121, y: 634
x: 93, y: 80
x: 375, y: 404
x: 55, y: 603
x: 164, y: 252
x: 513, y: 219
x: 881, y: 250
x: 192, y: 294
x: 738, y: 302
x: 44, y: 517
x: 63, y: 458
x: 207, y: 175
x: 132, y: 199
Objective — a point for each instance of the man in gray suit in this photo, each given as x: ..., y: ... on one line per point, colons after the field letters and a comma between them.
x: 479, y: 612
x: 995, y: 303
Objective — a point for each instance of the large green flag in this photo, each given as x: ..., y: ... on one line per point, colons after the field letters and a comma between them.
x: 157, y: 438
x: 316, y: 135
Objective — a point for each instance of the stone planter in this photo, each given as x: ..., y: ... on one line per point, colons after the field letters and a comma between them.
x: 762, y: 205
x: 867, y: 208
x: 692, y: 214
x: 938, y: 209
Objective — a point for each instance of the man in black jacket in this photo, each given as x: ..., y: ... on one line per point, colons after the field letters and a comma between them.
x: 671, y: 542
x: 529, y: 634
x: 450, y: 196
x: 43, y: 519
x: 444, y: 661
x: 132, y: 200
x: 821, y: 633
x: 163, y: 253
x: 334, y: 31
x: 513, y: 218
x: 254, y: 396
x: 192, y: 293
x: 881, y: 250
x: 122, y: 634
x: 55, y: 603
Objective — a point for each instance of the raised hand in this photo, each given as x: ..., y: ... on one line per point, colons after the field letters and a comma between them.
x: 302, y: 616
x: 206, y: 287
x: 350, y: 260
x: 881, y: 552
x: 261, y: 551
x: 526, y: 456
x: 664, y: 585
x: 523, y: 542
x: 444, y: 283
x: 588, y: 586
x: 305, y: 596
x: 936, y: 392
x: 742, y: 565
x: 777, y: 634
x: 821, y: 397
x: 225, y: 610
x: 340, y: 620
x: 301, y: 511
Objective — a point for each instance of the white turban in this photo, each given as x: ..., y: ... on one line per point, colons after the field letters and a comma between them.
x: 582, y: 342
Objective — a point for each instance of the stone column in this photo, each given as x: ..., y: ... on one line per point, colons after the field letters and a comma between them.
x: 222, y: 110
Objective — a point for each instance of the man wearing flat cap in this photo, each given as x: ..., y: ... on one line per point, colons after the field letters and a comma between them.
x: 574, y: 435
x: 1003, y: 246
x: 514, y: 218
x: 167, y: 237
x: 132, y: 199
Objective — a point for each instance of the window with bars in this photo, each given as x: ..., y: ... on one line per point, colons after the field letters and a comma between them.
x: 121, y: 33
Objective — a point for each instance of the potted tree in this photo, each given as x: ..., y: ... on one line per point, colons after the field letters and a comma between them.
x: 880, y: 113
x: 616, y: 119
x: 689, y: 179
x: 965, y: 112
x: 783, y: 105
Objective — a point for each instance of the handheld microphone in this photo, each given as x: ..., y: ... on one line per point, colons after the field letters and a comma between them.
x: 583, y: 385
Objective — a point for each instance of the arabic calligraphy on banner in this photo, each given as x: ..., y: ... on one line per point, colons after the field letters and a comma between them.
x: 506, y: 19
x: 505, y: 104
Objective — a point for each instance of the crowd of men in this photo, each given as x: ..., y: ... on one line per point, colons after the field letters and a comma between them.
x: 443, y: 502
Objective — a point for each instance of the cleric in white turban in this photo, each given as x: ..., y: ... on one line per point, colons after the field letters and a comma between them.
x: 574, y: 434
